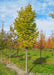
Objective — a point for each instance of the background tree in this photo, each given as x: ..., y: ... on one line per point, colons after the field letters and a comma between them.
x: 42, y: 43
x: 52, y: 39
x: 9, y: 40
x: 48, y: 43
x: 2, y: 39
x: 25, y: 27
x: 52, y: 43
x: 36, y: 44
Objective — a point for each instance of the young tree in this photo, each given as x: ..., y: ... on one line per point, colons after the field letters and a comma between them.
x: 52, y: 39
x: 36, y: 43
x: 2, y: 39
x: 52, y: 43
x: 25, y: 27
x: 48, y: 44
x: 42, y: 43
x: 10, y: 38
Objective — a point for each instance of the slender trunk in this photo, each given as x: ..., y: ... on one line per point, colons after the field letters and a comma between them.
x: 6, y: 50
x: 10, y: 57
x: 17, y: 52
x: 1, y: 54
x: 49, y: 49
x: 52, y: 52
x: 13, y: 50
x: 40, y: 55
x: 26, y: 62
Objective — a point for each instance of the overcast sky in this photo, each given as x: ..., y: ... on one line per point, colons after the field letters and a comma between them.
x: 8, y: 12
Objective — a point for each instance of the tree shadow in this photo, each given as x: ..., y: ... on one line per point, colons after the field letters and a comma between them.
x: 38, y: 61
x: 21, y: 59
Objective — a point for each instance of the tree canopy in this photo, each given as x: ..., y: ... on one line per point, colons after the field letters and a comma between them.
x: 25, y: 26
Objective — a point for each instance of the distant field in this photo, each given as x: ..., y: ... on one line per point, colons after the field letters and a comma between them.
x: 6, y: 71
x: 34, y: 64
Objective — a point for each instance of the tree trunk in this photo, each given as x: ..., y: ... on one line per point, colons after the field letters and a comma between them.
x: 6, y: 50
x: 40, y: 55
x: 26, y: 62
x: 49, y: 49
x: 52, y: 52
x: 1, y: 54
x: 10, y: 57
x: 17, y: 52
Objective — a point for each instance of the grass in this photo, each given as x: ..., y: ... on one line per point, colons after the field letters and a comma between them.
x: 6, y: 71
x: 33, y: 66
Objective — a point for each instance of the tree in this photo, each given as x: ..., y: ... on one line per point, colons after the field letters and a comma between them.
x: 10, y: 40
x: 8, y: 43
x: 52, y: 39
x: 2, y: 39
x: 42, y: 43
x: 36, y: 44
x: 52, y: 43
x: 48, y: 44
x: 25, y: 27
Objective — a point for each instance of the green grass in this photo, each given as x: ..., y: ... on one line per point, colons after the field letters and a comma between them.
x: 6, y: 71
x: 33, y: 66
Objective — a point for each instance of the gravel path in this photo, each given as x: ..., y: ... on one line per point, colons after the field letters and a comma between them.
x: 19, y: 71
x: 14, y: 67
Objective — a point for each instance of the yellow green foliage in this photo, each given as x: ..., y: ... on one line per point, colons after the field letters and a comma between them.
x: 52, y: 43
x: 25, y: 26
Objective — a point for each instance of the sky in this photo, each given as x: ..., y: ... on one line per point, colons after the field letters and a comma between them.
x: 9, y: 8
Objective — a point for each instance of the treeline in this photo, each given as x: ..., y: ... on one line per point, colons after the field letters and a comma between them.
x: 44, y: 43
x: 9, y: 40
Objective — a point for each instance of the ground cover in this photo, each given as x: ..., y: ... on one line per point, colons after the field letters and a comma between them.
x: 6, y: 71
x: 33, y: 65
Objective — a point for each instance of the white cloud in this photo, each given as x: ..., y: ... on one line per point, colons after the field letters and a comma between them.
x: 47, y: 25
x: 9, y: 8
x: 43, y: 7
x: 51, y: 2
x: 2, y: 15
x: 40, y: 7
